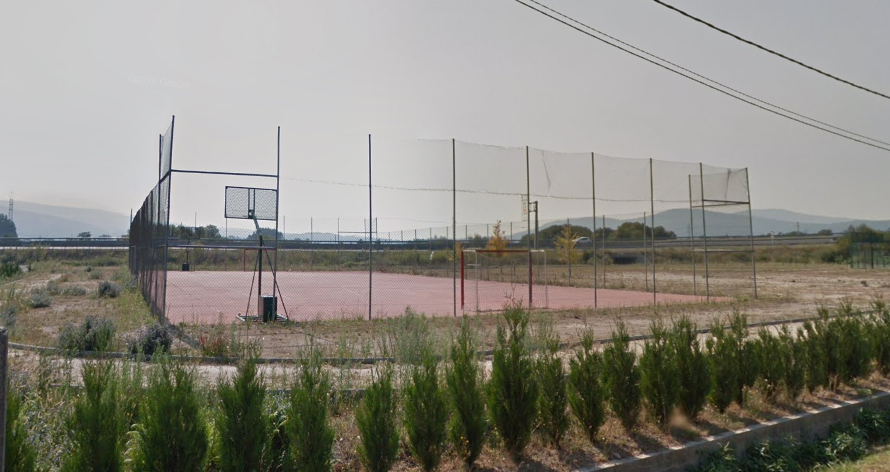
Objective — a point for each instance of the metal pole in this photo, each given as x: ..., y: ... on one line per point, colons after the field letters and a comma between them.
x: 275, y: 291
x: 370, y: 237
x: 604, y: 251
x: 593, y: 238
x: 704, y: 231
x: 692, y: 236
x: 645, y: 253
x: 4, y: 351
x: 454, y: 223
x: 167, y: 223
x: 652, y: 236
x: 528, y: 191
x: 751, y: 231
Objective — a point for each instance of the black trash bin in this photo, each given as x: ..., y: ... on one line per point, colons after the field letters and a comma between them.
x: 269, y: 308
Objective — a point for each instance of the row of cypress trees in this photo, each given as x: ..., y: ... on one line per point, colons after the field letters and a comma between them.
x: 159, y: 420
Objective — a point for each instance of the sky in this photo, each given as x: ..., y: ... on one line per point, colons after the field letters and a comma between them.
x: 86, y: 87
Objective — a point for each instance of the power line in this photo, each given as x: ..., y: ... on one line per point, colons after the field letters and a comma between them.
x: 766, y: 49
x: 701, y: 82
x: 709, y: 79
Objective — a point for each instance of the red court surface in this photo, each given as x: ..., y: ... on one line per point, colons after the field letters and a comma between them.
x: 211, y: 297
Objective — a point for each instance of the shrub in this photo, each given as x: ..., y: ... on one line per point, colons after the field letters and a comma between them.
x: 747, y: 355
x: 658, y: 374
x: 241, y: 423
x: 20, y: 454
x: 151, y: 339
x: 815, y: 361
x: 309, y: 432
x: 74, y: 291
x: 92, y: 334
x: 794, y: 358
x: 108, y: 289
x: 586, y: 393
x: 723, y: 358
x: 53, y: 288
x: 95, y: 426
x: 875, y: 425
x: 8, y: 316
x: 845, y: 443
x: 376, y: 420
x: 426, y: 413
x: 774, y: 361
x: 512, y: 392
x: 856, y: 344
x: 466, y: 397
x: 881, y: 335
x: 553, y: 398
x: 40, y: 298
x: 172, y: 434
x: 621, y: 377
x: 693, y: 371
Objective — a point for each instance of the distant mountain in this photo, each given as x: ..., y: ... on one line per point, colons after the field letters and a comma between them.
x: 35, y: 220
x: 736, y: 223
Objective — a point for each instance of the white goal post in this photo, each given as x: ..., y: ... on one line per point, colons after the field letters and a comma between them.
x: 491, y: 277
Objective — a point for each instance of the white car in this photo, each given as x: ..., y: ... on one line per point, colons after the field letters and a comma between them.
x: 583, y: 241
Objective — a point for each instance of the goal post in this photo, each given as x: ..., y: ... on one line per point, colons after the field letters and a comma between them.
x: 491, y: 277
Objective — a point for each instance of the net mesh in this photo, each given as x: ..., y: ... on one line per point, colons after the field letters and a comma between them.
x: 374, y: 227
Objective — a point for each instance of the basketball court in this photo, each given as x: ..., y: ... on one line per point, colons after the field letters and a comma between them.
x: 212, y: 297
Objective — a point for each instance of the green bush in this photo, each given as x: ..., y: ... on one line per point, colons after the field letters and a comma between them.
x: 53, y: 287
x: 309, y: 431
x: 881, y: 335
x: 108, y: 289
x: 621, y: 377
x: 816, y: 358
x: 20, y: 453
x: 95, y: 426
x: 241, y: 424
x: 463, y: 377
x: 748, y: 355
x: 9, y: 269
x: 92, y: 334
x: 856, y: 341
x: 553, y: 400
x: 172, y: 433
x: 794, y: 359
x: 659, y: 380
x: 74, y: 291
x: 40, y: 298
x: 693, y: 370
x: 151, y: 339
x: 512, y: 391
x: 376, y: 420
x: 426, y: 413
x: 723, y: 359
x: 774, y: 363
x: 586, y: 392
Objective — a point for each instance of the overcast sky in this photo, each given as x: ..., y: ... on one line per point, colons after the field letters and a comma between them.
x: 86, y: 87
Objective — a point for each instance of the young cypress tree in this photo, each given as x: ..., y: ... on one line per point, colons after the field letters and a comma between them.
x: 512, y: 390
x: 308, y: 426
x: 241, y: 421
x: 173, y: 431
x: 553, y: 399
x: 376, y: 419
x: 463, y: 378
x: 816, y: 362
x: 724, y: 365
x: 95, y: 426
x: 586, y: 392
x: 621, y: 377
x: 426, y: 412
x: 693, y: 370
x: 774, y: 360
x: 20, y: 454
x: 659, y: 374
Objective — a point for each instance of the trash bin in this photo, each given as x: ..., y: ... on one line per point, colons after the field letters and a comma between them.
x: 185, y: 266
x: 269, y: 308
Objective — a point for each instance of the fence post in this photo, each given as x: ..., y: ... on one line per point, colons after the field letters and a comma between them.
x: 4, y: 350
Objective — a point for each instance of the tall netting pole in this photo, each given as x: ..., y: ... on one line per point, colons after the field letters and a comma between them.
x: 692, y: 236
x: 593, y: 200
x: 167, y: 229
x: 528, y: 200
x: 604, y: 252
x: 704, y: 225
x: 277, y: 201
x: 652, y: 237
x: 454, y: 222
x: 751, y: 232
x: 370, y: 234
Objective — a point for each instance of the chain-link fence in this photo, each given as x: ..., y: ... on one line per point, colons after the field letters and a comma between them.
x: 368, y: 228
